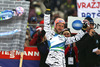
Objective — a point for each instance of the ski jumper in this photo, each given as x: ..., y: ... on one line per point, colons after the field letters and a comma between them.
x: 56, y: 56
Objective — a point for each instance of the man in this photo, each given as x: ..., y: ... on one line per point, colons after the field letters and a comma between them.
x: 33, y: 26
x: 88, y: 58
x: 56, y: 42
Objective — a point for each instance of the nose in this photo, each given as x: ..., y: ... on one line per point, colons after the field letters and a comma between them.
x: 61, y: 27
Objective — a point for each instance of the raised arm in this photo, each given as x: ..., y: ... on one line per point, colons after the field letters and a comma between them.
x: 75, y: 38
x: 78, y: 36
x: 47, y: 27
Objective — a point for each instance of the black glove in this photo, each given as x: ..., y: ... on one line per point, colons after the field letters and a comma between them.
x: 41, y: 34
x: 84, y: 27
x: 39, y: 37
x: 47, y: 3
x: 48, y: 11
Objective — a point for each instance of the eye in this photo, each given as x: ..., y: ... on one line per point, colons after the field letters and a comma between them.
x: 66, y: 33
x: 62, y: 26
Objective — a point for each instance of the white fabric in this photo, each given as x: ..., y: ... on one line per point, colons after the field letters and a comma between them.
x: 56, y: 59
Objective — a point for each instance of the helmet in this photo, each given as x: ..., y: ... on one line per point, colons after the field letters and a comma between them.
x: 58, y: 20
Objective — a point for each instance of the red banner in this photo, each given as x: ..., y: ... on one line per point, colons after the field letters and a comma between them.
x: 30, y: 53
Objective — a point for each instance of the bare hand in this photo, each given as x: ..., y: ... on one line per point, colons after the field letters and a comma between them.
x: 68, y: 45
x: 91, y: 32
x: 74, y: 44
x: 97, y: 52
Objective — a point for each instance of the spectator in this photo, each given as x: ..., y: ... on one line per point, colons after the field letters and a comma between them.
x: 40, y: 41
x: 87, y: 58
x: 34, y: 40
x: 71, y: 51
x: 43, y: 50
x: 33, y: 26
x: 35, y: 36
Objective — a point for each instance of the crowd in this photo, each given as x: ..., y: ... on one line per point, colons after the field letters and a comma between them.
x: 58, y: 48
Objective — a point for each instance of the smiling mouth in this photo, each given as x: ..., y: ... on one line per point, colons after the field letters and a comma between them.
x: 60, y: 30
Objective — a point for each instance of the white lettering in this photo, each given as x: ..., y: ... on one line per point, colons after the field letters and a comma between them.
x: 25, y: 53
x: 17, y: 53
x: 2, y: 52
x: 12, y: 54
x: 6, y: 53
x: 36, y: 53
x: 30, y: 53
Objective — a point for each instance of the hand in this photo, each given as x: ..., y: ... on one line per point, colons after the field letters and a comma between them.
x: 91, y: 32
x: 86, y: 24
x: 74, y: 45
x: 97, y: 52
x: 68, y: 45
x: 41, y: 33
x: 47, y: 3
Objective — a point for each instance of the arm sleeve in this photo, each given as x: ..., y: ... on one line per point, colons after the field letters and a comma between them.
x: 43, y: 47
x: 99, y: 42
x: 83, y: 43
x: 75, y: 38
x: 66, y: 50
x: 76, y: 53
x: 33, y: 41
x: 47, y: 27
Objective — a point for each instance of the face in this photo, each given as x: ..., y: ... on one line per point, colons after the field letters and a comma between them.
x: 91, y: 26
x: 59, y: 27
x: 66, y: 33
x: 34, y: 23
